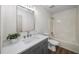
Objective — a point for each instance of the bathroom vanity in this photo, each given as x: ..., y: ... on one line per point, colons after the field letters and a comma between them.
x: 36, y: 44
x: 39, y: 48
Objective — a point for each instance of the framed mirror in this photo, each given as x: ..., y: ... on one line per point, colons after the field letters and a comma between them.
x: 25, y: 19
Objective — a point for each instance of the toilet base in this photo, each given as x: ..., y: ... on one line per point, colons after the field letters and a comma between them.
x: 52, y: 47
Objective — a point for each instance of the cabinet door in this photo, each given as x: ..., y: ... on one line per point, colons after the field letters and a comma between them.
x: 44, y: 47
x: 36, y: 50
x: 41, y: 48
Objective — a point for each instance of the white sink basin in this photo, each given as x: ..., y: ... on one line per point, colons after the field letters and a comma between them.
x: 33, y: 38
x: 28, y: 40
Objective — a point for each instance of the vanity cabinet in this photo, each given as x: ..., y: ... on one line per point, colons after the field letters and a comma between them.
x: 40, y: 48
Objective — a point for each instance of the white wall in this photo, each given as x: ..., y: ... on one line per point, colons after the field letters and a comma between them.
x: 77, y: 25
x: 8, y: 20
x: 42, y: 16
x: 0, y: 29
x: 64, y: 28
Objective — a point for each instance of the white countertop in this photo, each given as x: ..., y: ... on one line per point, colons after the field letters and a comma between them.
x: 21, y: 46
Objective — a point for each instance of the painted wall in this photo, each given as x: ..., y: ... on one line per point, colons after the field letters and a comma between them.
x: 77, y: 24
x: 0, y: 29
x: 65, y: 28
x: 8, y: 20
x: 42, y: 16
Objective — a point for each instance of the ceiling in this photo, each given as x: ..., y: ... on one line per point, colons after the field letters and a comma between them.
x: 57, y: 8
x: 53, y: 8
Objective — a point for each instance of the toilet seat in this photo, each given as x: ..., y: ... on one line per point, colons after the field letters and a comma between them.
x: 53, y: 42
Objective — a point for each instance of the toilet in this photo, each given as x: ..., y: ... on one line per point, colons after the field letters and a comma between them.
x: 52, y: 43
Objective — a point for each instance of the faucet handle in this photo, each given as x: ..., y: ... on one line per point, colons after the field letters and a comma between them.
x: 24, y: 36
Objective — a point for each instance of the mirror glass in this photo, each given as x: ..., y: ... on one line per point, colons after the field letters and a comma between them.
x: 25, y: 19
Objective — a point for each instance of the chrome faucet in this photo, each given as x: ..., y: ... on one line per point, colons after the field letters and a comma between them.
x: 28, y: 34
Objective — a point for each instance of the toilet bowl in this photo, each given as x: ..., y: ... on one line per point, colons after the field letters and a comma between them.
x: 52, y: 44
